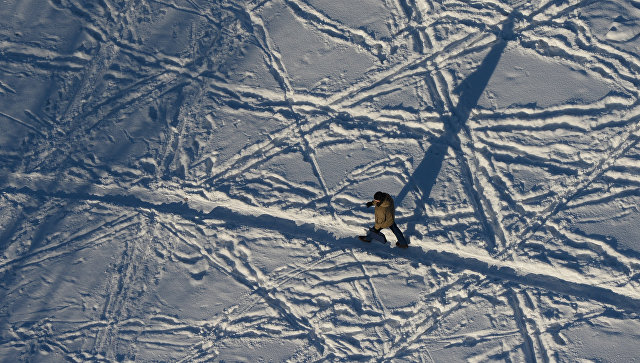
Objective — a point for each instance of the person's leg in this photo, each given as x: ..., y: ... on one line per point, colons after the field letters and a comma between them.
x: 380, y: 236
x: 398, y: 233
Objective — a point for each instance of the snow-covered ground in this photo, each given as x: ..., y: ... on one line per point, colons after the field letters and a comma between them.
x: 183, y: 180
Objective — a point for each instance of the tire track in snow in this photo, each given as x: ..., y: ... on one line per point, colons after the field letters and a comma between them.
x: 79, y: 242
x: 23, y: 123
x: 263, y: 289
x: 43, y: 59
x: 537, y: 328
x: 274, y: 62
x: 187, y: 212
x: 301, y: 226
x: 496, y: 221
x: 117, y: 291
x: 194, y: 10
x: 624, y: 144
x: 98, y: 64
x: 280, y: 140
x: 141, y: 92
x: 561, y: 8
x: 423, y: 323
x: 257, y: 153
x: 81, y: 92
x: 586, y: 41
x: 272, y: 282
x: 626, y: 265
x: 397, y: 19
x: 285, y: 87
x: 170, y: 75
x: 386, y: 334
x: 456, y: 135
x: 172, y: 144
x: 451, y: 50
x: 121, y: 289
x: 584, y: 51
x: 307, y: 14
x: 38, y: 335
x: 401, y: 70
x: 531, y: 354
x: 69, y: 122
x: 414, y: 24
x: 463, y: 264
x: 114, y: 228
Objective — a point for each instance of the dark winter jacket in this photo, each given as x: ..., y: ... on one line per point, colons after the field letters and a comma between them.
x: 384, y: 212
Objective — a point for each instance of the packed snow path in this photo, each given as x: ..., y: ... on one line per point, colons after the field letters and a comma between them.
x: 183, y: 180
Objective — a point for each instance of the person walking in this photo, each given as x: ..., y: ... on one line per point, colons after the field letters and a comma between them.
x: 384, y: 218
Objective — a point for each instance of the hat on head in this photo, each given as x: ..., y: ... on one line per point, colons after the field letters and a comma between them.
x: 378, y: 196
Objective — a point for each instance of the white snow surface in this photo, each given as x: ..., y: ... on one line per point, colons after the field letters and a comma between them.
x: 184, y: 180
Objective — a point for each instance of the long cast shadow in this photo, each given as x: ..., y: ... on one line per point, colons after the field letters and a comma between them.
x: 425, y: 175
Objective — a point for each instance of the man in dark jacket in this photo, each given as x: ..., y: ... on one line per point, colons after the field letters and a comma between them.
x: 385, y: 218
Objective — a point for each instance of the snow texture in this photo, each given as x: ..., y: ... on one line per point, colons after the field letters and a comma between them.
x: 184, y: 180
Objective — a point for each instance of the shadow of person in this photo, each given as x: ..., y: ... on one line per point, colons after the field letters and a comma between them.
x: 425, y: 175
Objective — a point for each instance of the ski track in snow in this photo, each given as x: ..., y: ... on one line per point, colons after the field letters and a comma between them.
x: 182, y: 180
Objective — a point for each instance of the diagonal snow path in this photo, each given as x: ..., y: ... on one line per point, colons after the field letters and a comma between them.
x: 303, y: 223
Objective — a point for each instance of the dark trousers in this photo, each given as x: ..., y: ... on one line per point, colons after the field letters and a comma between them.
x: 397, y: 232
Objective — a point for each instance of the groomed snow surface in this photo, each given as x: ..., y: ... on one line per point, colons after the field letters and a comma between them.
x: 184, y: 180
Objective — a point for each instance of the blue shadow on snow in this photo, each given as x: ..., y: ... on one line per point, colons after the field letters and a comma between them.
x: 470, y: 90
